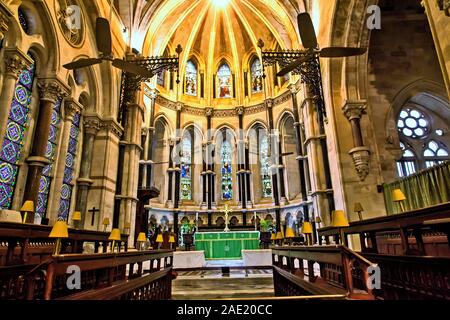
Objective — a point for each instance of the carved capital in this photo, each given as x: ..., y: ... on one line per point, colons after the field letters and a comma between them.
x: 51, y: 89
x: 354, y: 109
x: 152, y: 93
x: 179, y: 106
x: 361, y: 159
x: 269, y: 103
x: 144, y: 131
x: 209, y: 112
x: 293, y: 88
x: 91, y: 125
x: 240, y: 110
x: 444, y: 5
x: 112, y: 126
x: 16, y: 61
x: 71, y: 107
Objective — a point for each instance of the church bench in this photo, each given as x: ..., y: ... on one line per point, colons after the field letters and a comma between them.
x: 419, y: 224
x: 97, y: 271
x: 29, y: 243
x: 330, y: 270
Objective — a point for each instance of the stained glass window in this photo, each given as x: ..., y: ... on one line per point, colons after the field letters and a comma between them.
x: 226, y: 171
x: 266, y: 179
x: 67, y: 186
x: 191, y: 79
x: 413, y: 123
x: 435, y: 153
x: 224, y: 81
x: 14, y: 137
x: 23, y: 20
x: 406, y: 165
x: 52, y: 144
x: 186, y: 168
x: 256, y: 76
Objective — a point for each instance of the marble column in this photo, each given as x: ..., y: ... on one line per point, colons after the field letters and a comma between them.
x: 91, y: 125
x: 241, y: 173
x: 15, y: 61
x: 177, y: 169
x: 153, y: 93
x: 360, y: 154
x: 50, y: 91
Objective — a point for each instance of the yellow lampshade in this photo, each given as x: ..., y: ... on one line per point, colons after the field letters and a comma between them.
x: 273, y: 236
x: 279, y: 236
x: 339, y: 219
x: 59, y: 230
x: 106, y: 221
x: 307, y: 228
x: 290, y: 233
x: 172, y: 239
x: 141, y: 237
x: 398, y: 195
x: 318, y: 220
x: 115, y: 235
x: 28, y: 206
x: 159, y: 238
x: 76, y: 216
x: 358, y: 207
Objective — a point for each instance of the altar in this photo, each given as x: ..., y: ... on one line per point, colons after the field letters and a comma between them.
x: 226, y: 245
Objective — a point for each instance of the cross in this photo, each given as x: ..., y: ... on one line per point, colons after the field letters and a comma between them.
x: 226, y: 211
x: 94, y: 211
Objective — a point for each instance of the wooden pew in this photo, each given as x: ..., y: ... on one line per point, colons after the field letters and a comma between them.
x: 428, y: 228
x: 331, y: 270
x: 136, y: 275
x: 29, y: 243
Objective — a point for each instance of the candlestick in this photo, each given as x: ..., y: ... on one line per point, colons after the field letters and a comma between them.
x: 254, y: 218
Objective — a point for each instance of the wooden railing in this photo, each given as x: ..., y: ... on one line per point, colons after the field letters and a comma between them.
x: 413, y: 278
x: 330, y: 270
x: 29, y: 243
x: 433, y: 220
x: 137, y: 275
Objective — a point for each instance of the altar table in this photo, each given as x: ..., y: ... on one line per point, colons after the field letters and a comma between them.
x: 226, y: 245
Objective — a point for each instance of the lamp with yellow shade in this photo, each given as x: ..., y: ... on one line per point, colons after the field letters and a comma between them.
x: 141, y: 239
x: 340, y: 221
x: 59, y: 231
x: 76, y: 218
x: 359, y: 209
x: 273, y: 236
x: 114, y: 236
x: 105, y: 223
x: 307, y: 230
x: 289, y: 234
x: 279, y: 238
x: 399, y: 197
x: 27, y: 209
x: 171, y: 241
x: 159, y: 239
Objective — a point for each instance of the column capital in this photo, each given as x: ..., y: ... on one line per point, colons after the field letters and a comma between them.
x: 91, y: 124
x: 269, y: 103
x: 111, y: 125
x: 354, y: 109
x: 52, y: 89
x: 293, y: 88
x: 71, y: 107
x: 144, y: 131
x: 179, y: 106
x: 209, y: 111
x: 152, y: 93
x: 16, y: 61
x: 239, y: 110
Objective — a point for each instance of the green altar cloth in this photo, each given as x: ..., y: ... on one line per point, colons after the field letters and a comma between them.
x: 226, y: 245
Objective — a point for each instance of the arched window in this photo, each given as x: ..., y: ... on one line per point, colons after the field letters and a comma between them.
x: 13, y: 141
x: 23, y: 20
x: 190, y: 84
x: 266, y: 179
x: 186, y: 167
x: 69, y: 169
x: 421, y: 140
x: 224, y: 81
x: 256, y: 71
x: 47, y: 173
x: 226, y: 157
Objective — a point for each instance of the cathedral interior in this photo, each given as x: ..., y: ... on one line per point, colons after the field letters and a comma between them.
x: 153, y: 116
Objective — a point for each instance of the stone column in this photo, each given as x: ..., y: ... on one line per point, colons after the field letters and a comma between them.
x: 50, y: 91
x: 354, y: 110
x: 91, y: 127
x: 315, y: 142
x: 299, y: 148
x: 241, y: 173
x: 15, y: 62
x: 169, y: 203
x: 204, y: 204
x: 71, y: 107
x: 151, y: 133
x: 177, y: 169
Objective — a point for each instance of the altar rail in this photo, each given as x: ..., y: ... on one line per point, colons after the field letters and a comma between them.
x: 128, y: 275
x: 433, y: 221
x: 29, y: 243
x: 331, y: 270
